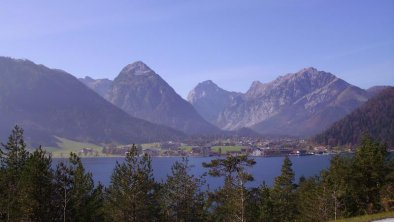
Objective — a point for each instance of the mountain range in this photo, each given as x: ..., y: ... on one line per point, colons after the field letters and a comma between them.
x: 297, y: 104
x: 50, y: 103
x: 139, y: 106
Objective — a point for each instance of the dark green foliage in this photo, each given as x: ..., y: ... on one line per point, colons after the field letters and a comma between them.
x: 37, y: 187
x: 368, y: 171
x: 375, y: 118
x: 76, y: 199
x: 260, y: 204
x: 180, y: 197
x: 131, y: 194
x: 356, y: 182
x: 283, y: 194
x: 13, y: 158
x: 31, y: 191
x: 351, y: 186
x: 315, y: 201
x: 230, y: 201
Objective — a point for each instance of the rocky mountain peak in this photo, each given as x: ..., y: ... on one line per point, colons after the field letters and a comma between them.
x: 309, y: 74
x: 256, y: 84
x: 88, y: 78
x: 210, y: 100
x: 142, y: 93
x: 301, y: 82
x: 309, y: 69
x: 203, y: 89
x: 137, y: 69
x: 207, y: 85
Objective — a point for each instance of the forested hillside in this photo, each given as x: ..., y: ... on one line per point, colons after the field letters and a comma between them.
x: 375, y: 118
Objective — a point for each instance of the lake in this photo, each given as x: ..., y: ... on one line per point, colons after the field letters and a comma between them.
x: 265, y: 169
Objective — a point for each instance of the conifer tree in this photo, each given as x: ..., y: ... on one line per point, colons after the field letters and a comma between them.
x: 230, y: 200
x: 75, y: 191
x: 131, y: 194
x: 369, y: 171
x: 13, y: 157
x: 63, y: 186
x: 283, y: 194
x: 37, y: 187
x: 266, y: 204
x: 315, y: 201
x: 180, y: 197
x: 336, y: 186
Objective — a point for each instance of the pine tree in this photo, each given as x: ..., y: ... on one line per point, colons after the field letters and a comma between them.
x: 315, y: 201
x: 230, y: 200
x: 369, y: 172
x: 265, y: 207
x: 63, y: 186
x: 180, y: 197
x: 356, y: 183
x: 36, y: 187
x: 13, y: 157
x: 260, y: 204
x: 75, y: 191
x: 131, y: 194
x: 283, y: 194
x: 337, y: 186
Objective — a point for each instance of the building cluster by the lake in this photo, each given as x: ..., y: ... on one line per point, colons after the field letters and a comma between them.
x: 219, y: 147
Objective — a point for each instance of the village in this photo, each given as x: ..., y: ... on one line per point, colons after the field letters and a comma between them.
x: 258, y: 147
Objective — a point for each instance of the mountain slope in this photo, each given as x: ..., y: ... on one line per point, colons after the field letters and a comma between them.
x: 101, y: 86
x: 142, y: 93
x: 375, y: 117
x: 297, y: 104
x: 48, y: 102
x: 210, y: 100
x: 315, y: 111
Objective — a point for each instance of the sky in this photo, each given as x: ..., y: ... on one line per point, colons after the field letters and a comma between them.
x: 186, y: 42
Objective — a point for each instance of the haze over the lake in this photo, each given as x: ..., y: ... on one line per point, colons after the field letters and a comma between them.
x: 186, y: 42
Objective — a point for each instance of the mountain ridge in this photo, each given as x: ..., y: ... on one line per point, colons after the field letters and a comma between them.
x: 50, y: 102
x: 296, y: 104
x: 142, y: 93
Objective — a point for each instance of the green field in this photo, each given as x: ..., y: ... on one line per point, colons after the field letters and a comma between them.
x: 150, y: 145
x: 186, y: 148
x: 226, y: 149
x: 367, y: 218
x: 65, y: 146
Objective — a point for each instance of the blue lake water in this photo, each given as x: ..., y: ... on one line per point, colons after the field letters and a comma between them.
x: 265, y: 169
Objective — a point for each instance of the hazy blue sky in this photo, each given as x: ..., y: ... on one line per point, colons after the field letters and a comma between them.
x: 186, y: 42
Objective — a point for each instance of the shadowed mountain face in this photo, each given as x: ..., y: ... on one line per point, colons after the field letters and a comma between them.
x: 299, y: 104
x: 48, y: 102
x: 375, y: 118
x: 142, y: 93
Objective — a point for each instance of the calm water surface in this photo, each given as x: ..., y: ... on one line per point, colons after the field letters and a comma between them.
x: 265, y: 169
